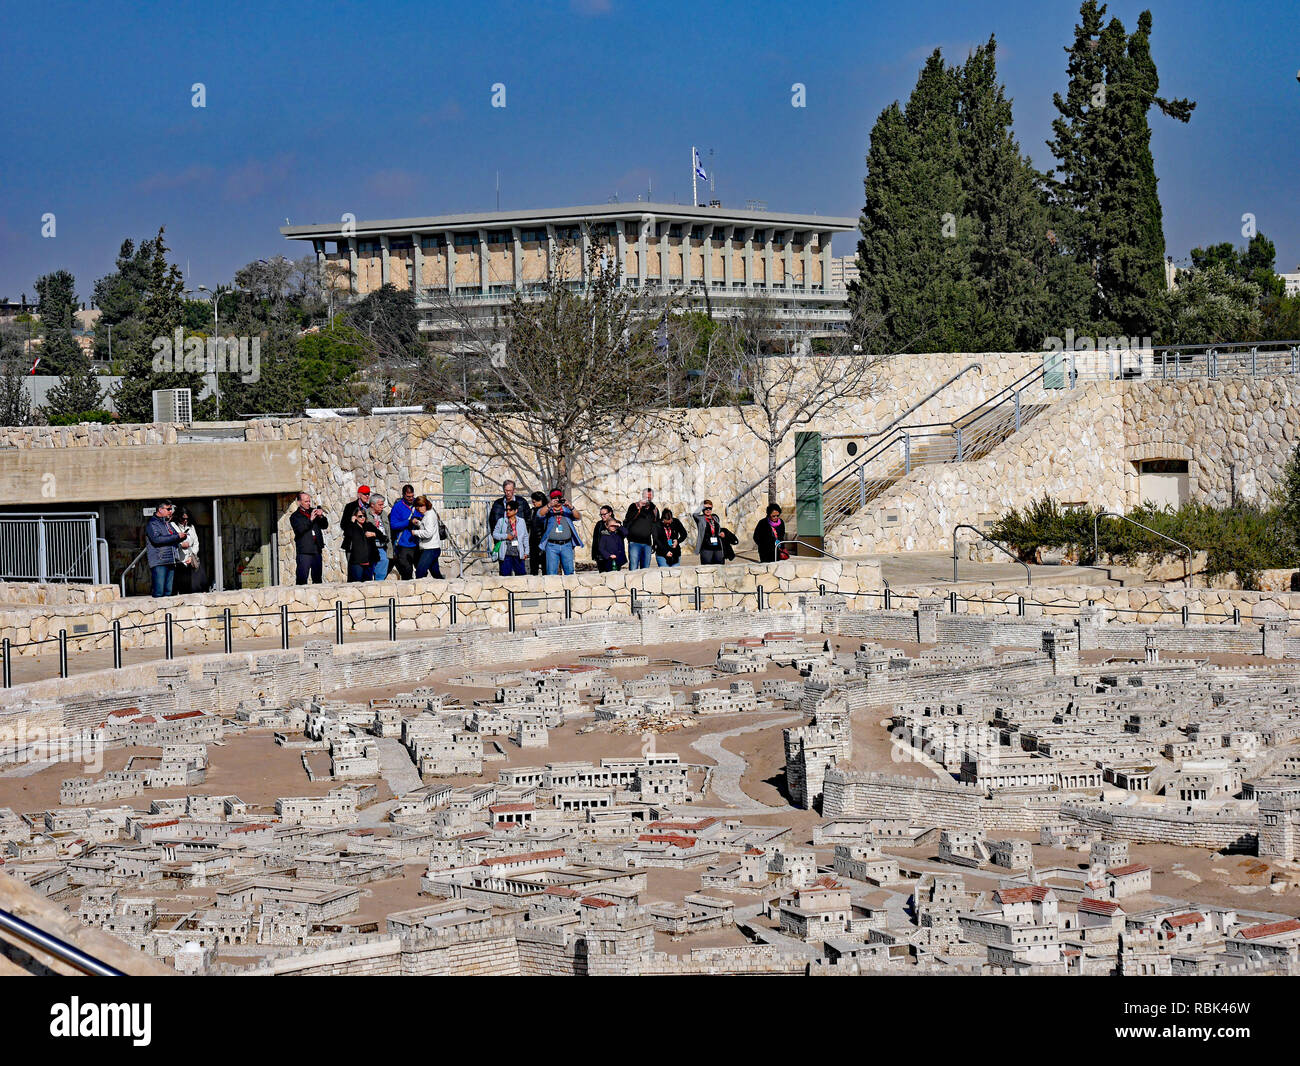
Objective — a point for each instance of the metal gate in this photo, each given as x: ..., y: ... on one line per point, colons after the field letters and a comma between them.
x: 50, y: 547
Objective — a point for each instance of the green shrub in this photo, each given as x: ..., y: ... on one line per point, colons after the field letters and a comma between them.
x: 1241, y: 539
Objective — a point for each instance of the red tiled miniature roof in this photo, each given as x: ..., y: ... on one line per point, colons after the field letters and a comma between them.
x: 826, y: 882
x: 676, y: 839
x: 1035, y: 893
x: 160, y: 825
x: 1099, y: 906
x: 753, y: 851
x: 183, y: 714
x: 560, y: 890
x: 126, y: 712
x: 1179, y: 920
x: 251, y: 828
x: 592, y: 901
x: 528, y: 856
x: 1131, y: 868
x: 1291, y: 925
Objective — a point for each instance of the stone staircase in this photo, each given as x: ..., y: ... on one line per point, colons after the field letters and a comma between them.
x: 968, y: 437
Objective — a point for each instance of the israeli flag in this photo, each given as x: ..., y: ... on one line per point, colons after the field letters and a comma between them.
x: 699, y: 170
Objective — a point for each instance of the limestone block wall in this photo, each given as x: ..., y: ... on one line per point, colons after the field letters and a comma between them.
x: 1071, y: 452
x: 1150, y: 825
x: 427, y: 605
x: 1250, y: 424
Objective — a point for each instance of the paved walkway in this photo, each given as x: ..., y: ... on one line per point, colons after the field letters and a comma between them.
x: 730, y: 767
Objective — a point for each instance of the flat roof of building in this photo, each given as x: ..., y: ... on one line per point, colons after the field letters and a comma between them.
x: 495, y: 219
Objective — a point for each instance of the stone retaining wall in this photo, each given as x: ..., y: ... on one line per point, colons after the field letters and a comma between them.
x: 426, y: 605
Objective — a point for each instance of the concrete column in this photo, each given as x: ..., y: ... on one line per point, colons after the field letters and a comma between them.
x: 728, y: 232
x: 687, y: 228
x: 789, y: 257
x: 585, y: 227
x: 807, y: 260
x: 708, y: 256
x: 550, y: 251
x: 620, y: 248
x: 518, y: 257
x: 384, y: 275
x: 450, y: 238
x: 769, y: 258
x: 826, y: 261
x: 749, y: 256
x: 665, y: 256
x: 643, y: 250
x: 418, y: 252
x: 352, y: 264
x: 483, y: 283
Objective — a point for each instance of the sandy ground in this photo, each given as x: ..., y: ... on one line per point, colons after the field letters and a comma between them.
x: 250, y: 765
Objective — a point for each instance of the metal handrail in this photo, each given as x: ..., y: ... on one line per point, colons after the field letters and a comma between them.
x: 60, y: 949
x: 977, y: 412
x: 73, y: 565
x: 866, y: 436
x: 131, y: 566
x: 1029, y: 577
x: 814, y: 547
x: 1187, y: 564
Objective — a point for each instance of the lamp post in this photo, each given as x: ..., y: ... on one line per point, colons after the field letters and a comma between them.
x: 216, y: 331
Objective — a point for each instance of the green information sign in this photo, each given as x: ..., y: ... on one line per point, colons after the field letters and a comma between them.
x: 455, y: 487
x: 808, y: 484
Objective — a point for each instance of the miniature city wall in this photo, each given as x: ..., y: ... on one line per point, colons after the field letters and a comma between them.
x: 218, y: 683
x: 427, y: 605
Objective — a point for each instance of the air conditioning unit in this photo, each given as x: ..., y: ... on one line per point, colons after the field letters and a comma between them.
x: 172, y: 405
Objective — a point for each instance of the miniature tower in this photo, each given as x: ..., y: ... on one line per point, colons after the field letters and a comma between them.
x: 1062, y: 647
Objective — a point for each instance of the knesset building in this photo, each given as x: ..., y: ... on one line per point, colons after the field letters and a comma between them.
x: 719, y: 258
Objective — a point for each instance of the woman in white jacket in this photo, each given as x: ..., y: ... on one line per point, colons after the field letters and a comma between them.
x: 190, y: 573
x: 427, y: 537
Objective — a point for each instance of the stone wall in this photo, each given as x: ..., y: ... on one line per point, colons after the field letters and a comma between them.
x: 1070, y: 452
x: 712, y: 454
x: 427, y: 605
x: 1251, y: 424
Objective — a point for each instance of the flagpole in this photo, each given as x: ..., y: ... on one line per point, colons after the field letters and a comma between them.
x: 695, y: 195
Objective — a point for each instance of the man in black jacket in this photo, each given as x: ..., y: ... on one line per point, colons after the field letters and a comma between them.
x: 498, y: 509
x: 640, y: 522
x: 361, y: 503
x: 309, y: 524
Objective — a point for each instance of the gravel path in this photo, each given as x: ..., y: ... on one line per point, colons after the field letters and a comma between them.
x: 726, y: 775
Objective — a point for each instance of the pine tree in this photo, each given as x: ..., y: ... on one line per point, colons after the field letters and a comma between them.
x: 58, y: 307
x: 148, y: 293
x: 77, y: 393
x: 15, y: 401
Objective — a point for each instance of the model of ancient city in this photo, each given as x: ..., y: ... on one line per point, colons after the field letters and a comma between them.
x: 812, y: 790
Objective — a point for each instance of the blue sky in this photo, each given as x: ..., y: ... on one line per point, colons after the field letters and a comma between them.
x: 384, y: 110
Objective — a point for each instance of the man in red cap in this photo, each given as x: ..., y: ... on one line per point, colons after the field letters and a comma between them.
x: 361, y: 503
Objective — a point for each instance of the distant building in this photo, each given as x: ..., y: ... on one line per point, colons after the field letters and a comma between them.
x: 1292, y: 282
x: 721, y: 258
x: 844, y: 271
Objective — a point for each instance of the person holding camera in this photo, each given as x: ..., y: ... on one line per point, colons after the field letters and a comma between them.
x: 309, y: 524
x: 406, y: 550
x: 358, y: 541
x: 641, y: 521
x: 559, y: 535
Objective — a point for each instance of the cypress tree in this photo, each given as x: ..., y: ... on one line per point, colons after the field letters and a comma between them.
x: 1109, y: 208
x: 914, y: 247
x: 1011, y: 251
